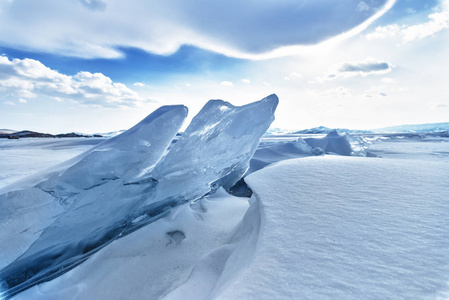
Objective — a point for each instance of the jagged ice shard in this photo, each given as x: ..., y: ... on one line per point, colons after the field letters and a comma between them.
x: 24, y: 213
x: 82, y: 206
x: 124, y: 156
x: 127, y: 182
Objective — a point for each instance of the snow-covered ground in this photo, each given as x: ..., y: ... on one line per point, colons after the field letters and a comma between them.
x: 23, y: 157
x: 336, y: 227
x: 318, y: 226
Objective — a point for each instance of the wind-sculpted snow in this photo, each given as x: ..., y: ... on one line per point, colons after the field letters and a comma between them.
x: 334, y: 227
x: 121, y: 185
x: 269, y: 153
x: 332, y: 142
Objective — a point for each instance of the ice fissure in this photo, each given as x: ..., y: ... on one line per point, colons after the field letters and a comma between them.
x: 127, y: 182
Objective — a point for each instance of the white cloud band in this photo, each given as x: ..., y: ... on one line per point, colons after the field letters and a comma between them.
x: 29, y: 78
x: 247, y: 29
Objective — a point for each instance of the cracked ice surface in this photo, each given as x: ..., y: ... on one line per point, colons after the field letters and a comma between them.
x: 105, y: 197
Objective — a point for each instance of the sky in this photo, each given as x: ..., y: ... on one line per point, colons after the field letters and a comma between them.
x: 96, y: 66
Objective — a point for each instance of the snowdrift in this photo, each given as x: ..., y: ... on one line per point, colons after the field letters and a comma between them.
x: 148, y: 215
x: 335, y: 227
x: 123, y: 184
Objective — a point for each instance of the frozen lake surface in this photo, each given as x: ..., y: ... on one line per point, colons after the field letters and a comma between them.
x: 316, y: 227
x: 23, y: 157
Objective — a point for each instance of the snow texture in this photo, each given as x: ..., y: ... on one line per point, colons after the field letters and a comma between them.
x: 149, y: 263
x: 317, y: 226
x: 124, y: 190
x: 24, y: 157
x: 272, y: 152
x: 347, y: 228
x: 90, y: 199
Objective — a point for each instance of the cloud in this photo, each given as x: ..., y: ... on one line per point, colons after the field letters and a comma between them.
x: 246, y: 80
x: 139, y: 84
x: 94, y: 4
x: 362, y: 6
x: 293, y: 76
x: 226, y: 83
x: 382, y: 32
x: 438, y: 21
x: 440, y: 105
x: 21, y: 100
x: 337, y: 92
x: 29, y: 78
x: 377, y: 90
x: 247, y: 29
x: 388, y: 80
x: 365, y: 67
x: 361, y: 68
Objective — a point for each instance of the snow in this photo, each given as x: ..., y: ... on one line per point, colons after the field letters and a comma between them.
x: 272, y: 152
x: 318, y: 227
x: 320, y: 224
x: 412, y: 147
x: 122, y: 157
x: 423, y: 128
x: 148, y: 263
x: 113, y: 189
x: 348, y: 228
x: 23, y: 157
x: 108, y: 159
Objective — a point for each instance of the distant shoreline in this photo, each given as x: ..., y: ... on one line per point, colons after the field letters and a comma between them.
x: 33, y: 134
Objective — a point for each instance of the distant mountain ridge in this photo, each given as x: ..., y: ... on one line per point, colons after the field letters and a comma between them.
x: 409, y: 128
x: 110, y: 134
x: 11, y: 134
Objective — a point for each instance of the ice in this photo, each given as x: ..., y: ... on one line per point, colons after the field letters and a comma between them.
x: 151, y: 261
x: 122, y: 157
x: 269, y: 153
x: 215, y: 149
x: 94, y: 195
x: 120, y: 193
x: 23, y: 157
x: 332, y: 142
x: 324, y: 227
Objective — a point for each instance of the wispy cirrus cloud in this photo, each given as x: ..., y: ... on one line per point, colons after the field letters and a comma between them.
x: 29, y: 78
x: 235, y: 28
